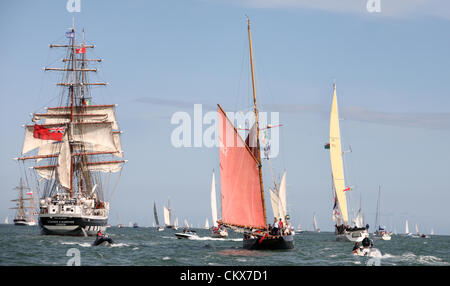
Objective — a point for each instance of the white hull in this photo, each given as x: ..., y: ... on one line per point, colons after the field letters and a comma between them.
x: 353, y: 236
x: 221, y: 234
x: 185, y: 235
x: 25, y: 223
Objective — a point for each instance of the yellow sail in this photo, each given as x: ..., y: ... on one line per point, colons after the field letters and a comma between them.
x: 337, y: 167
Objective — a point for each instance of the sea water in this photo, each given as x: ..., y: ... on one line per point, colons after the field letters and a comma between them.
x: 21, y: 245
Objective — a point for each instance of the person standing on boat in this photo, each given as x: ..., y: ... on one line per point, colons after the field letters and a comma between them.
x: 280, y: 226
x: 275, y: 227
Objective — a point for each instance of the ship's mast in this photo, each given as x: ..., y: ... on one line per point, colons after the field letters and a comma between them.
x: 71, y: 89
x: 255, y: 109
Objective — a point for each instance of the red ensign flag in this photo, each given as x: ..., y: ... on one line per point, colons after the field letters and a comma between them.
x: 80, y: 50
x: 50, y: 133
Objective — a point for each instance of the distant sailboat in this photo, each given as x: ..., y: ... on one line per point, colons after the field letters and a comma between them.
x: 6, y: 220
x: 299, y: 228
x: 381, y: 231
x: 155, y: 214
x: 168, y: 215
x: 432, y: 232
x: 218, y: 231
x: 316, y: 228
x: 407, y: 228
x: 175, y: 224
x: 207, y: 224
x: 26, y: 214
x: 342, y: 231
x: 243, y: 206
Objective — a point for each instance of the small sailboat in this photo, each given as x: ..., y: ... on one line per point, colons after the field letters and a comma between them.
x: 218, y: 231
x: 155, y: 214
x: 299, y: 228
x: 243, y: 206
x: 175, y: 224
x: 316, y: 228
x: 207, y: 224
x: 381, y: 232
x: 26, y: 214
x: 6, y: 220
x: 168, y: 215
x: 418, y: 234
x: 343, y: 231
x: 407, y: 228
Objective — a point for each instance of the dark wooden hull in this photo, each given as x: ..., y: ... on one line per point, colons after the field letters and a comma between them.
x: 269, y: 243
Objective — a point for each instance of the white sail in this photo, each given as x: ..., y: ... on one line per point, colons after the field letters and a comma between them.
x: 64, y: 163
x: 166, y: 217
x: 206, y: 224
x: 186, y: 224
x: 213, y: 201
x: 417, y: 228
x: 282, y: 197
x: 275, y: 201
x: 358, y: 221
x: 406, y: 227
x: 175, y: 224
x: 315, y: 223
x: 432, y: 232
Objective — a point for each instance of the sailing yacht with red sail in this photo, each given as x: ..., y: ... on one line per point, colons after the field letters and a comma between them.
x: 243, y: 207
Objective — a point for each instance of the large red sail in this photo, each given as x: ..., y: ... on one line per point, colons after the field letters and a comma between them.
x: 239, y: 179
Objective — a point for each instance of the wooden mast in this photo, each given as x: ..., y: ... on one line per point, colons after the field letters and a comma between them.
x: 255, y: 108
x: 71, y: 104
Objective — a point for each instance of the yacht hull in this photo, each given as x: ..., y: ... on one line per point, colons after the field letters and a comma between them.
x: 269, y: 243
x: 72, y: 225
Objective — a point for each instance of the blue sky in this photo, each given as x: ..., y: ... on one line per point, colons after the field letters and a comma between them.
x: 391, y: 70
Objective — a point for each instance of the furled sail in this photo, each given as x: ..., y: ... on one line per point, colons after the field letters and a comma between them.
x: 91, y: 113
x: 336, y: 159
x: 242, y: 204
x: 213, y: 201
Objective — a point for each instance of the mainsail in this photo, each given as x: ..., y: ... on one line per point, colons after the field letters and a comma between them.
x: 406, y: 227
x: 316, y: 228
x: 166, y: 217
x: 155, y: 214
x: 278, y: 199
x: 336, y: 159
x: 242, y: 201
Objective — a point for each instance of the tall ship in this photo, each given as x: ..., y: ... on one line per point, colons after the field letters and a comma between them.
x: 343, y: 231
x: 76, y: 149
x: 25, y: 212
x: 242, y: 190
